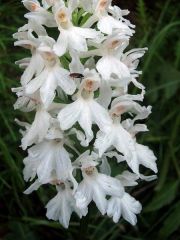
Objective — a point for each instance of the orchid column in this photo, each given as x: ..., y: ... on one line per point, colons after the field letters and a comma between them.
x: 77, y: 85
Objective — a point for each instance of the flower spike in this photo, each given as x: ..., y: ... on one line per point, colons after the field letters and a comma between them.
x: 77, y: 84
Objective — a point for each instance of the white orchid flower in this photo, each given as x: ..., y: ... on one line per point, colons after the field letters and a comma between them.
x: 119, y: 137
x: 35, y: 64
x: 85, y: 110
x: 71, y: 37
x: 110, y: 64
x: 145, y: 155
x: 105, y: 22
x: 26, y: 103
x: 52, y: 76
x: 127, y: 207
x: 45, y: 158
x: 36, y: 132
x: 38, y: 14
x: 95, y: 187
x: 63, y: 204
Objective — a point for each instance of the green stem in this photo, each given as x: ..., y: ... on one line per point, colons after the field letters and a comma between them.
x: 83, y: 228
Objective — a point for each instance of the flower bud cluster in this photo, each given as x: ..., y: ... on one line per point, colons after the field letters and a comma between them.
x: 77, y: 82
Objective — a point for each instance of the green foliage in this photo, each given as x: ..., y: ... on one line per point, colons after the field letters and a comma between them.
x: 23, y: 217
x: 163, y: 197
x: 172, y: 223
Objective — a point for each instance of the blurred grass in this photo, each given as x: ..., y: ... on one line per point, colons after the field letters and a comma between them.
x: 23, y: 217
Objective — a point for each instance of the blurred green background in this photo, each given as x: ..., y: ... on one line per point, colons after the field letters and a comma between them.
x: 23, y: 217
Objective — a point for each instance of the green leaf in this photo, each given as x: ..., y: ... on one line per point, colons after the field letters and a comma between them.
x: 20, y: 231
x: 142, y: 14
x: 170, y: 75
x: 165, y: 196
x: 171, y: 224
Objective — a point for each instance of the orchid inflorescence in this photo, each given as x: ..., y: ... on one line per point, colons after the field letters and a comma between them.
x: 85, y: 117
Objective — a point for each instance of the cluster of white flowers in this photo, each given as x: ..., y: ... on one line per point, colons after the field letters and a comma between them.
x: 85, y: 117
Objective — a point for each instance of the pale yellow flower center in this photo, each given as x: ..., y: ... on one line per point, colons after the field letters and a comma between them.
x: 48, y: 56
x: 89, y: 85
x: 89, y: 171
x: 34, y: 7
x: 114, y: 44
x: 62, y: 17
x: 102, y: 5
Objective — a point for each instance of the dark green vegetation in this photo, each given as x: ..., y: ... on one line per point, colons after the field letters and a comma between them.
x: 23, y: 217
